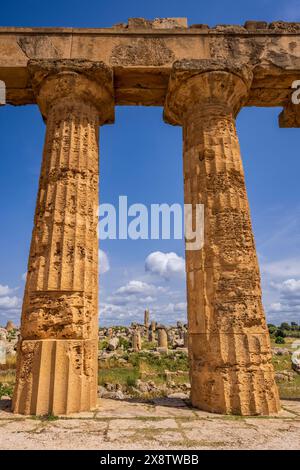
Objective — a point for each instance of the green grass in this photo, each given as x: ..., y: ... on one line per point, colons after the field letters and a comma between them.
x: 103, y: 343
x: 148, y: 345
x: 145, y: 366
x: 160, y: 363
x: 6, y: 390
x: 283, y: 363
x: 48, y: 417
x: 117, y: 375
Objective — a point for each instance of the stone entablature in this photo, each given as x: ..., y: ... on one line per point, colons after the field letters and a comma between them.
x: 142, y: 54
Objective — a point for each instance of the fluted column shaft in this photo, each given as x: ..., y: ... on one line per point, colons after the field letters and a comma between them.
x: 63, y: 263
x: 231, y: 370
x: 59, y: 327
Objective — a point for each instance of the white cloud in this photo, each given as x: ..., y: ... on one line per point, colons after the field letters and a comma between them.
x: 288, y: 288
x: 291, y: 285
x: 287, y: 307
x: 8, y: 303
x: 139, y: 287
x: 119, y: 299
x: 282, y: 268
x: 167, y: 265
x: 5, y: 290
x: 24, y: 276
x: 112, y: 314
x: 147, y: 300
x: 103, y: 262
x: 275, y: 307
x: 165, y: 313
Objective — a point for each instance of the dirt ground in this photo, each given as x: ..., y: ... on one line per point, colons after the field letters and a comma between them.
x: 163, y: 424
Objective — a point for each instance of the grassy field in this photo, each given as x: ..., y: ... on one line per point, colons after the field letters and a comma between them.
x: 130, y: 367
x: 7, y: 376
x: 144, y: 366
x: 287, y: 389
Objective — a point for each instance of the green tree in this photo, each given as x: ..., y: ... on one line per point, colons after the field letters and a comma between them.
x: 281, y: 333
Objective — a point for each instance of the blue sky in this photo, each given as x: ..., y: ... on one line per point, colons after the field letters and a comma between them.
x: 141, y: 157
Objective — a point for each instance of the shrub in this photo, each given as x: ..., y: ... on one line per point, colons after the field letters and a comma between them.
x: 6, y: 389
x: 285, y: 326
x: 272, y: 329
x: 280, y: 333
x: 103, y: 344
x: 279, y: 340
x: 124, y: 342
x: 131, y: 380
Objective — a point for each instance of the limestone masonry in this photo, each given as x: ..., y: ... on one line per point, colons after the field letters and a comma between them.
x: 202, y: 77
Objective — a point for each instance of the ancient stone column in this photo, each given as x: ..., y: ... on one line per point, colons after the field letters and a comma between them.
x: 150, y: 335
x: 231, y: 369
x: 110, y: 333
x: 146, y: 318
x: 162, y: 338
x: 185, y: 339
x: 136, y: 341
x: 57, y: 358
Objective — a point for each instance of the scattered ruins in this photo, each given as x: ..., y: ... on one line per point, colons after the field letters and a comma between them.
x: 202, y: 77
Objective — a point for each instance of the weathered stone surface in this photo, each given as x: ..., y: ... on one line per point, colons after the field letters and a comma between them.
x: 203, y: 76
x: 162, y: 342
x: 231, y: 370
x: 10, y: 326
x: 136, y: 341
x: 143, y: 53
x: 290, y: 116
x: 57, y: 361
x: 113, y: 344
x: 158, y: 23
x: 56, y: 376
x: 146, y: 318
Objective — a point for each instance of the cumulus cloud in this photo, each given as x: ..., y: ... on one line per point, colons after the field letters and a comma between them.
x: 111, y: 314
x: 290, y: 287
x: 5, y: 290
x: 289, y: 267
x: 139, y: 287
x: 9, y: 303
x: 167, y: 265
x: 103, y: 262
x: 166, y: 313
x: 147, y: 300
x: 288, y: 305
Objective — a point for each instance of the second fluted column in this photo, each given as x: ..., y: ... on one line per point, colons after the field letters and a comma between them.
x: 229, y: 348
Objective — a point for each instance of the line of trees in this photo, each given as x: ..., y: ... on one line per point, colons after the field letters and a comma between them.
x: 285, y: 329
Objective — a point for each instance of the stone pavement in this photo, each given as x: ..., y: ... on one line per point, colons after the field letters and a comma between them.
x: 162, y: 424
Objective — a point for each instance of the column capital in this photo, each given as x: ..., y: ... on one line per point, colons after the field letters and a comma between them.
x: 68, y: 80
x: 220, y: 85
